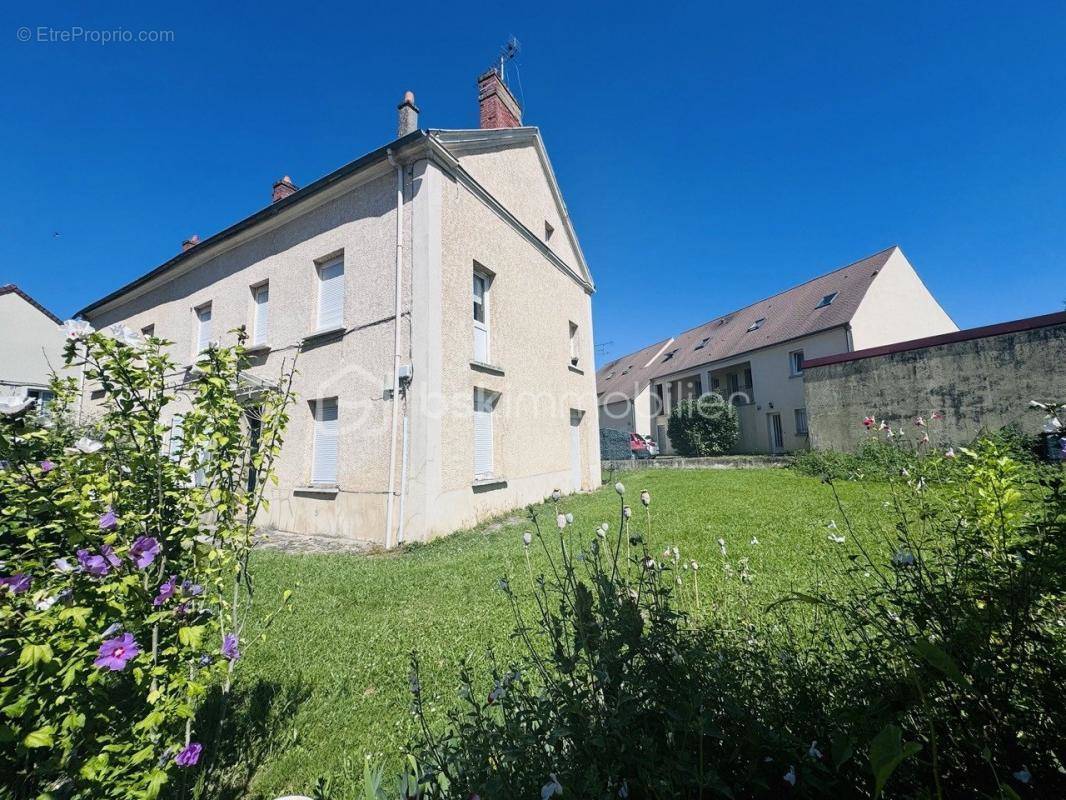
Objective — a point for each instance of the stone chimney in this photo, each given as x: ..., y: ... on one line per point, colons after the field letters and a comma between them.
x: 407, y: 116
x: 283, y: 189
x: 498, y: 107
x: 190, y: 243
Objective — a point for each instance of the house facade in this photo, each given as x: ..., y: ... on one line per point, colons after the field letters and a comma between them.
x: 754, y: 357
x: 31, y: 345
x: 437, y: 304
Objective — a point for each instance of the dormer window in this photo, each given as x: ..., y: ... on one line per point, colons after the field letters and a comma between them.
x: 756, y: 324
x: 670, y: 355
x: 702, y: 343
x: 626, y: 370
x: 827, y: 300
x: 609, y: 375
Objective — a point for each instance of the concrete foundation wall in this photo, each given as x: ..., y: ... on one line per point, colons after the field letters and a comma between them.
x: 978, y: 383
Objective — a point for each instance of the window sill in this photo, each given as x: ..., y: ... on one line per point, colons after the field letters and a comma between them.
x: 487, y: 484
x: 323, y: 336
x: 576, y: 369
x: 796, y: 375
x: 257, y: 349
x: 319, y: 491
x: 491, y: 369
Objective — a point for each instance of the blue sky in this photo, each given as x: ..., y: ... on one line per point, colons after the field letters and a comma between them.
x: 710, y: 155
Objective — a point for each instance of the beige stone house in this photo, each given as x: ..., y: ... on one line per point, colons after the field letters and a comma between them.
x: 31, y: 345
x: 754, y: 357
x: 436, y: 299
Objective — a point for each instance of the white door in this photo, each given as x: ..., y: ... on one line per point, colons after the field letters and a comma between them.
x: 777, y: 437
x: 575, y: 449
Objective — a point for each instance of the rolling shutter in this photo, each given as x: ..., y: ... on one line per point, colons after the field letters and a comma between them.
x: 174, y: 448
x: 324, y: 461
x: 331, y: 295
x: 483, y: 406
x: 203, y: 327
x: 262, y: 314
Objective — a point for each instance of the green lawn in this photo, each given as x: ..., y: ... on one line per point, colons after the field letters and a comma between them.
x: 329, y: 686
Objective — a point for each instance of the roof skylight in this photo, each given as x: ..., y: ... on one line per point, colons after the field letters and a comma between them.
x: 756, y: 324
x: 827, y: 300
x: 702, y: 343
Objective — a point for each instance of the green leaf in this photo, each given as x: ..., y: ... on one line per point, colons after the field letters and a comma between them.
x: 887, y: 751
x: 155, y: 782
x: 42, y: 737
x: 937, y: 658
x: 191, y: 636
x: 35, y: 654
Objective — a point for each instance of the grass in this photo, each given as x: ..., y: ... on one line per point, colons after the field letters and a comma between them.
x: 329, y: 685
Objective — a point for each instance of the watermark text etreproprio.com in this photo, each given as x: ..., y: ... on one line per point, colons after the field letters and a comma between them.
x: 78, y: 34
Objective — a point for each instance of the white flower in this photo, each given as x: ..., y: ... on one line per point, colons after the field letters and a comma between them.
x: 84, y: 445
x: 754, y: 540
x: 721, y: 545
x: 127, y: 336
x: 618, y: 487
x: 569, y: 518
x: 45, y: 603
x: 790, y: 776
x: 695, y: 565
x: 645, y: 497
x: 949, y: 453
x: 10, y: 405
x: 627, y: 512
x: 832, y: 525
x: 556, y: 494
x: 527, y: 538
x: 601, y: 532
x: 676, y: 552
x: 1023, y: 775
x: 560, y: 520
x: 836, y: 539
x: 551, y: 788
x: 76, y: 328
x: 814, y: 752
x: 648, y: 562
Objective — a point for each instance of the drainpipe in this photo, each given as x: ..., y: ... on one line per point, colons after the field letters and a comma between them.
x: 403, y: 476
x: 395, y: 350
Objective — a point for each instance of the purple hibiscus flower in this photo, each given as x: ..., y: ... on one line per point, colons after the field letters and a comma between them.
x: 16, y: 584
x: 108, y: 521
x: 143, y: 551
x: 114, y: 653
x: 229, y: 647
x: 47, y: 466
x: 93, y: 563
x: 191, y: 589
x: 108, y: 552
x: 189, y: 755
x: 63, y: 565
x: 166, y: 591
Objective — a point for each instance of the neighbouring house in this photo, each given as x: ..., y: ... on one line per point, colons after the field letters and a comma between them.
x: 31, y: 345
x: 438, y: 305
x: 978, y: 379
x: 754, y: 357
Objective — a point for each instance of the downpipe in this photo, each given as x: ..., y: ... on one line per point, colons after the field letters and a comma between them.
x: 395, y: 352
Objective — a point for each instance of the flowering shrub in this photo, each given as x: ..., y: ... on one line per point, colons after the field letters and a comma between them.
x: 704, y: 427
x: 124, y: 563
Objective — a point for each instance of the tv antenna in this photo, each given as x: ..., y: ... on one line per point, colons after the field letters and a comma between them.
x: 603, y: 348
x: 508, y: 53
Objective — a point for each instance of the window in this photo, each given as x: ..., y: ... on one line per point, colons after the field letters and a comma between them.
x: 484, y: 406
x: 261, y: 317
x: 747, y: 378
x: 176, y: 437
x: 97, y: 394
x: 203, y: 327
x: 795, y: 362
x: 548, y: 230
x: 801, y: 422
x: 148, y: 330
x: 331, y: 294
x: 481, y: 317
x: 324, y: 457
x: 702, y: 343
x: 670, y: 355
x: 715, y: 384
x: 827, y: 300
x: 756, y: 324
x: 575, y: 349
x: 733, y: 382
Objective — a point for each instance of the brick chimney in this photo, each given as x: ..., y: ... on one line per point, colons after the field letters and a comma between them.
x: 190, y: 243
x: 283, y: 189
x: 407, y: 115
x: 498, y: 107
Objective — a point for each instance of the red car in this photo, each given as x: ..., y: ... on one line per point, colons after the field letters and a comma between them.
x: 638, y: 447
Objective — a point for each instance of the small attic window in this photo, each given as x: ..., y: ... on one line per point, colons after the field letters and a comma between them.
x: 827, y: 300
x: 609, y: 375
x: 670, y: 355
x: 703, y: 343
x: 548, y: 230
x: 756, y: 324
x: 626, y: 370
x: 724, y: 320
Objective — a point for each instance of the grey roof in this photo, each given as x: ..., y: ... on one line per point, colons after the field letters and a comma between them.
x: 785, y: 316
x: 626, y: 375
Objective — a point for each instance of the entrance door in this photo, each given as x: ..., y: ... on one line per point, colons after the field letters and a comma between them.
x: 777, y: 436
x: 575, y: 449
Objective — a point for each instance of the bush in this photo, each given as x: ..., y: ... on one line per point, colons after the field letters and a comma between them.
x: 125, y: 565
x: 703, y: 427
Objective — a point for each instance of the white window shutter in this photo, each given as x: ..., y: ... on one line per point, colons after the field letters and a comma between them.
x: 262, y: 315
x: 483, y: 407
x: 203, y: 327
x: 481, y: 343
x: 331, y: 295
x: 174, y: 448
x: 324, y: 462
